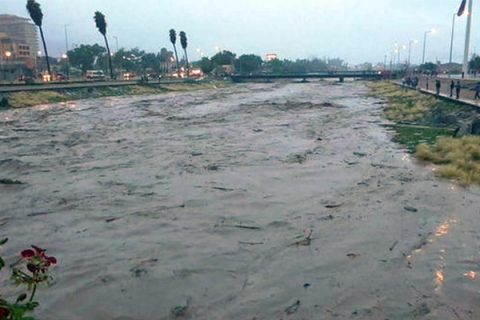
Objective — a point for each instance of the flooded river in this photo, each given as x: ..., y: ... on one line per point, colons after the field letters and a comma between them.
x: 256, y: 201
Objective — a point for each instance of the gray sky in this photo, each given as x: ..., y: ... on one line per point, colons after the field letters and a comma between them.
x: 354, y: 30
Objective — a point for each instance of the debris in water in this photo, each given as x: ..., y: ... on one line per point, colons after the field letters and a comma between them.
x: 293, y: 308
x: 10, y: 181
x: 410, y: 209
x: 307, y: 238
x: 333, y: 206
x: 353, y: 255
x: 393, y: 245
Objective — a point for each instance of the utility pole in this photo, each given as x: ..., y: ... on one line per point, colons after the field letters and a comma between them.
x: 66, y: 53
x: 451, y: 40
x: 467, y: 37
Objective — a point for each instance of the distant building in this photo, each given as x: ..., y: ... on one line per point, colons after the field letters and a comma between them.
x: 18, y: 45
x: 271, y: 56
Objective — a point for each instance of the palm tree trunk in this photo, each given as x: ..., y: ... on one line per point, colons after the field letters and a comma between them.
x: 176, y: 60
x: 109, y: 57
x: 46, y: 53
x: 188, y: 65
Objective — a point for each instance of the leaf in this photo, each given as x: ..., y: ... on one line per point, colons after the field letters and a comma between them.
x: 3, y: 241
x: 22, y: 297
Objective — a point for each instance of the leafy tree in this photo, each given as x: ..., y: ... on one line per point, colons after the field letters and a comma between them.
x: 428, y: 66
x: 275, y: 66
x: 85, y: 56
x: 474, y: 64
x: 173, y: 40
x: 223, y: 58
x: 184, y: 43
x: 206, y: 65
x: 36, y: 14
x: 129, y: 60
x: 248, y: 63
x: 165, y: 58
x: 101, y: 24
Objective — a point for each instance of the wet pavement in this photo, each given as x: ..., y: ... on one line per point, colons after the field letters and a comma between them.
x: 257, y: 201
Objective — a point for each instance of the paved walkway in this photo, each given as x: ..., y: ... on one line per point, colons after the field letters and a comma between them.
x: 467, y: 93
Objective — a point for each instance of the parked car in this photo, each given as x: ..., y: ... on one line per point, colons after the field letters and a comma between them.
x: 95, y: 75
x: 128, y: 76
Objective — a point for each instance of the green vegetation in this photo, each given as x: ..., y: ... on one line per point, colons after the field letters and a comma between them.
x: 411, y: 136
x: 184, y: 43
x: 409, y: 106
x: 173, y: 40
x: 36, y: 14
x: 101, y: 24
x: 425, y: 125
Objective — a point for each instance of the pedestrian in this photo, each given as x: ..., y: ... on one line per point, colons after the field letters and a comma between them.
x: 458, y: 87
x: 477, y: 91
x: 438, y: 85
x: 415, y: 82
x: 427, y: 83
x: 452, y: 86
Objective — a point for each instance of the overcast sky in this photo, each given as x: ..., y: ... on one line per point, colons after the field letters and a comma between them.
x: 354, y: 30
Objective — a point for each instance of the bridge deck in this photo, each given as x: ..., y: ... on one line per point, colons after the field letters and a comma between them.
x: 319, y: 75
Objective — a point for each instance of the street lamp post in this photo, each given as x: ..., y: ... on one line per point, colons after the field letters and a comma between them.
x: 451, y: 39
x: 116, y: 42
x: 467, y: 37
x: 410, y: 50
x: 8, y: 54
x: 425, y: 43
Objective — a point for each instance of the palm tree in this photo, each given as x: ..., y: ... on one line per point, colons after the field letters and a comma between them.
x: 184, y: 43
x: 37, y: 16
x: 173, y: 40
x: 102, y: 27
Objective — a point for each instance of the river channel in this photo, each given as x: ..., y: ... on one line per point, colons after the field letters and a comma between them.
x: 255, y: 201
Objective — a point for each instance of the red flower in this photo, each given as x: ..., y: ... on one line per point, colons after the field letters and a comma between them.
x: 37, y: 261
x: 27, y: 253
x: 51, y: 260
x: 4, y: 313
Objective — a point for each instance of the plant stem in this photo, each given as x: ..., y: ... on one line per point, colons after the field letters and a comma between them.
x: 33, y: 293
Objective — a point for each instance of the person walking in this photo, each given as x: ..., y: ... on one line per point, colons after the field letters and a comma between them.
x: 458, y: 87
x: 477, y: 91
x: 426, y: 86
x: 438, y: 85
x: 452, y: 86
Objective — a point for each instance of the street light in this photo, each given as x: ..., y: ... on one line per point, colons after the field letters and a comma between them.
x: 116, y: 42
x: 8, y: 54
x: 432, y: 31
x: 67, y: 65
x: 410, y: 50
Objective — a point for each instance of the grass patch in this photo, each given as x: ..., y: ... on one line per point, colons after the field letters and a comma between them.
x: 411, y: 136
x: 33, y: 98
x: 458, y: 158
x: 410, y: 106
x: 29, y: 99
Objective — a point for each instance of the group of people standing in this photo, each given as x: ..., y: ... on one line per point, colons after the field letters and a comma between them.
x: 455, y: 86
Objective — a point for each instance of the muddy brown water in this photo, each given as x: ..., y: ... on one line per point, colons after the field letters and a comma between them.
x: 197, y: 205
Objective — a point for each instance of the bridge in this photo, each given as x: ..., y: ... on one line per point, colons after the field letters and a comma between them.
x: 340, y: 75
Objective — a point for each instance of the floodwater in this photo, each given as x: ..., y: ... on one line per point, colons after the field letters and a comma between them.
x: 256, y: 201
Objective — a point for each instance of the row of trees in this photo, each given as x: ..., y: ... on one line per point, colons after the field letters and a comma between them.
x: 86, y: 56
x: 250, y: 63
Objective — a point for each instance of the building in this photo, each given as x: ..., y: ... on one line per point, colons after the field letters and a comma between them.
x: 271, y: 56
x: 18, y: 45
x: 22, y: 30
